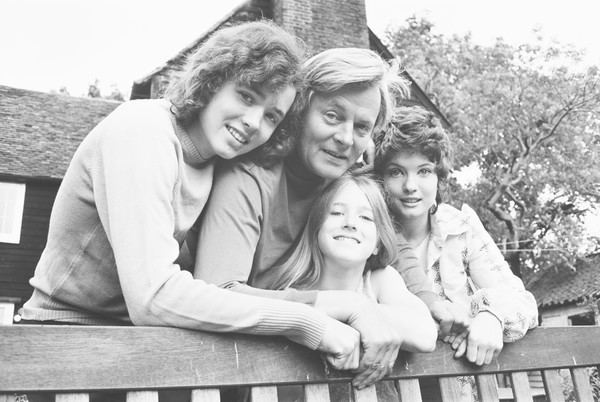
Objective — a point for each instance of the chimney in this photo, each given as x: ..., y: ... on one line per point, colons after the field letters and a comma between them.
x: 324, y: 24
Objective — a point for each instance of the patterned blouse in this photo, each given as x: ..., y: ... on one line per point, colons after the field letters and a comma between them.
x: 466, y: 267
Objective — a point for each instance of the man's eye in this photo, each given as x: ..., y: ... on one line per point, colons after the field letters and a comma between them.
x: 331, y: 115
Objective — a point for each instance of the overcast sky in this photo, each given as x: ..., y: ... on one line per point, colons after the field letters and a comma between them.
x: 47, y: 44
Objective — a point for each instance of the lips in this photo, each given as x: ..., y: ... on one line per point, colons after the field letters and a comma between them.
x: 346, y: 238
x: 335, y: 154
x: 237, y: 135
x: 410, y: 201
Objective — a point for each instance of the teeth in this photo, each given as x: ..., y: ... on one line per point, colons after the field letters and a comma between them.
x: 345, y: 238
x: 236, y: 135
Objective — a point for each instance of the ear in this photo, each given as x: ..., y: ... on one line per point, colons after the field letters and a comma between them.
x: 376, y: 250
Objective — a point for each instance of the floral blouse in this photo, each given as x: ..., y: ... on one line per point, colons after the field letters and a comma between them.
x: 467, y: 268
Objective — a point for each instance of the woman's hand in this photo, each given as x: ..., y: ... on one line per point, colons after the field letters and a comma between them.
x: 484, y: 339
x: 453, y: 319
x: 341, y: 345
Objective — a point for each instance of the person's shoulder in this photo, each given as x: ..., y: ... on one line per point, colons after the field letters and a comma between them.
x: 245, y: 169
x: 383, y: 275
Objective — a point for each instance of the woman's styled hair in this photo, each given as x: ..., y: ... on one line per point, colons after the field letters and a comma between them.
x: 415, y: 129
x: 303, y: 266
x: 255, y: 54
x: 334, y: 69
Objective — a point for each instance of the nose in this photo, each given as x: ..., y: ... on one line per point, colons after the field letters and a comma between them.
x: 344, y: 134
x: 252, y: 117
x: 410, y: 184
x: 350, y: 222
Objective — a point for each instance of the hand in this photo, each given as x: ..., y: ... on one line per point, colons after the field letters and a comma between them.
x: 380, y: 344
x: 453, y: 319
x: 484, y: 340
x: 341, y: 345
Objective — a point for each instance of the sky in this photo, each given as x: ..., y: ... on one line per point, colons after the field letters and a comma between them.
x: 47, y: 44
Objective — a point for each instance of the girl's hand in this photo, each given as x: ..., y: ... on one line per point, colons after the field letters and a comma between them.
x: 484, y: 341
x: 452, y: 318
x: 341, y: 345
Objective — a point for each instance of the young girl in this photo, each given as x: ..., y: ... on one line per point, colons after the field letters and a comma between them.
x: 141, y: 178
x: 465, y: 268
x: 348, y: 244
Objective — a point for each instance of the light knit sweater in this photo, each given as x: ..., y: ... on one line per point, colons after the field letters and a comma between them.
x: 134, y: 188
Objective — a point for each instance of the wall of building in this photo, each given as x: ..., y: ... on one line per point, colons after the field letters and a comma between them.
x: 18, y: 261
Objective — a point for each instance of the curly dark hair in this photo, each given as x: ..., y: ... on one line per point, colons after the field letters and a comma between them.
x: 415, y: 129
x: 254, y: 54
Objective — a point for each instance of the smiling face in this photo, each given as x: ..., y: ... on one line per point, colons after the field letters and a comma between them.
x: 337, y: 129
x: 410, y: 183
x: 239, y: 119
x: 348, y: 234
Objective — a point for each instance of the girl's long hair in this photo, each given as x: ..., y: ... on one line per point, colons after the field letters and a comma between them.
x: 302, y: 268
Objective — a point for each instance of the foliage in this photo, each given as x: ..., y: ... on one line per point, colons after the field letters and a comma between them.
x: 532, y: 127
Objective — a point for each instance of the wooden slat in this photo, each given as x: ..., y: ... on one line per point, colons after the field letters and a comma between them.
x: 520, y: 387
x: 80, y: 397
x: 581, y: 383
x: 552, y: 385
x: 263, y: 394
x: 206, y: 395
x: 142, y: 396
x: 409, y: 390
x: 450, y: 389
x: 487, y: 388
x: 368, y: 394
x: 7, y: 398
x: 316, y: 393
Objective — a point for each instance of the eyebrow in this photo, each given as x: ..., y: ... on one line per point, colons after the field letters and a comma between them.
x: 259, y: 91
x: 362, y: 206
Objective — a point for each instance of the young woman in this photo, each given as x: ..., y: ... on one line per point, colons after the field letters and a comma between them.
x: 142, y: 177
x: 464, y: 266
x: 348, y: 243
x: 257, y: 211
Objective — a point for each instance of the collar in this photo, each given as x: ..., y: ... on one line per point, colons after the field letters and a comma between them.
x: 191, y: 154
x: 449, y: 221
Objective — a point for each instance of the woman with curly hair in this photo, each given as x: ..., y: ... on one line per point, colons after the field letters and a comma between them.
x: 464, y: 266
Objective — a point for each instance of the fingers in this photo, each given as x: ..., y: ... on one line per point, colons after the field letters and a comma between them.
x: 461, y: 349
x: 374, y: 366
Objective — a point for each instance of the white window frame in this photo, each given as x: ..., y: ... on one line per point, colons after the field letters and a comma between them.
x: 11, y: 234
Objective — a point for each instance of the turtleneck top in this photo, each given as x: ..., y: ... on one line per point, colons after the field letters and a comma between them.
x: 134, y: 188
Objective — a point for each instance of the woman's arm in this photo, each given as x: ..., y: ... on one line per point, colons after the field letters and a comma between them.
x: 497, y: 290
x: 406, y: 311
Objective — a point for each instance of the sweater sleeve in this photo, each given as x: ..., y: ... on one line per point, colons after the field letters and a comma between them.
x: 229, y: 234
x: 415, y: 278
x: 134, y: 177
x: 497, y: 289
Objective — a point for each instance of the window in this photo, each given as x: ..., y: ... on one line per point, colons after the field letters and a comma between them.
x: 12, y: 198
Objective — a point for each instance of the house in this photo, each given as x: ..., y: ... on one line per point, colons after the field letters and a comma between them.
x: 567, y: 297
x: 40, y: 131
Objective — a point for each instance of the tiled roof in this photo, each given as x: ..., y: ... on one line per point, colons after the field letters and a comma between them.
x: 39, y: 132
x: 566, y: 286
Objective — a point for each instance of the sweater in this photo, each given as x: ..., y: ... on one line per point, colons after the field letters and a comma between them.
x: 134, y: 188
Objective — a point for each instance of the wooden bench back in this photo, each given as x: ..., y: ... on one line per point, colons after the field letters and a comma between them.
x: 74, y: 360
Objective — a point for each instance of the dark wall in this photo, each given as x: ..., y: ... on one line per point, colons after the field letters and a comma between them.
x: 18, y: 261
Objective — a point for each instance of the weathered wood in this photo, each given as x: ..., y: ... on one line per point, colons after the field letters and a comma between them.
x: 154, y: 358
x: 81, y: 397
x: 552, y: 385
x: 206, y: 395
x: 450, y: 389
x: 409, y: 390
x: 581, y: 383
x: 487, y: 388
x: 316, y: 393
x: 368, y: 394
x: 142, y: 396
x: 264, y: 394
x: 520, y: 387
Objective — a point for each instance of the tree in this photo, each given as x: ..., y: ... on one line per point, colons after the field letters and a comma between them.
x: 531, y: 126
